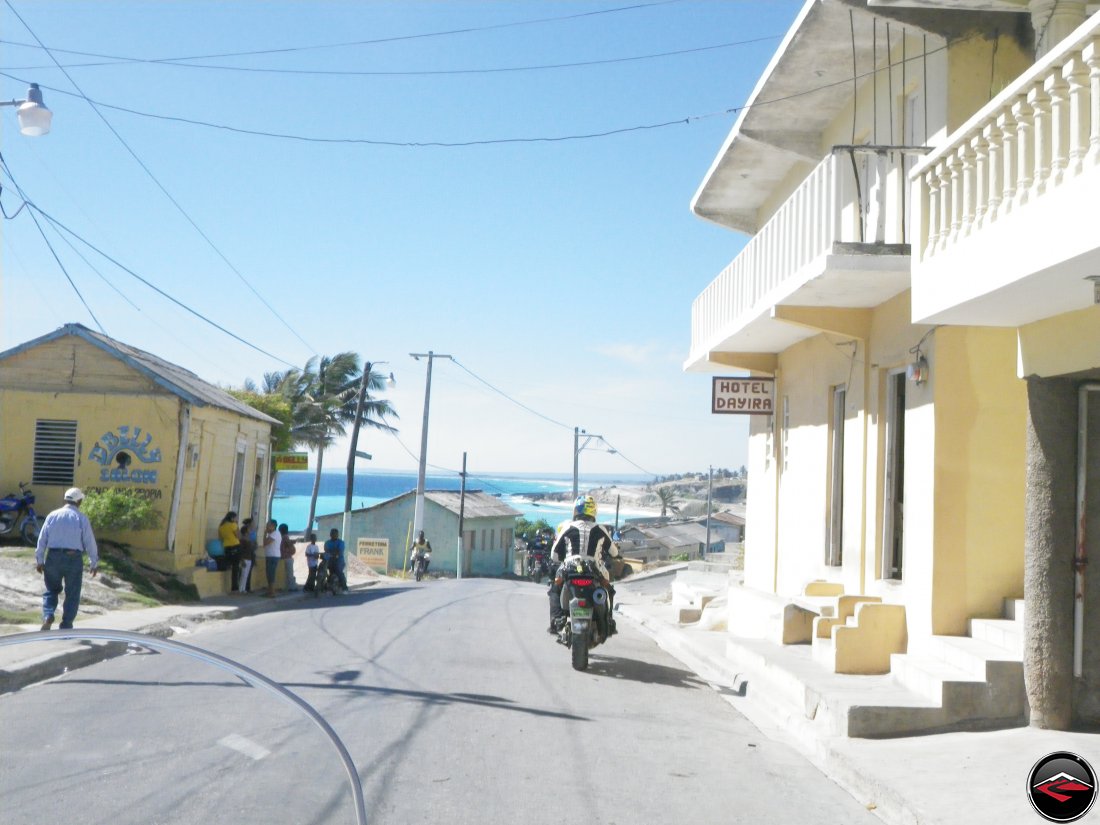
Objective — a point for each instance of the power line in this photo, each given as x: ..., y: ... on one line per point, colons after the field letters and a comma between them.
x: 58, y: 224
x: 49, y: 245
x: 156, y: 181
x: 682, y: 121
x: 376, y: 41
x: 403, y: 73
x: 501, y: 392
x: 627, y: 460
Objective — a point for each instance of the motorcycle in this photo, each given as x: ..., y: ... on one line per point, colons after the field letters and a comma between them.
x: 17, y: 515
x: 328, y: 579
x: 538, y: 564
x: 420, y: 564
x: 588, y: 606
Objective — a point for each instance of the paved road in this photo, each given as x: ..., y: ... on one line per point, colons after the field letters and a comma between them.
x: 454, y: 702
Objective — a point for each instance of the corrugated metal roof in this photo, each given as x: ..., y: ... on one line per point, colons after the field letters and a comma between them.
x: 478, y: 504
x: 170, y: 376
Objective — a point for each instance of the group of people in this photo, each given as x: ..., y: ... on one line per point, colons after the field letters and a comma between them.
x: 239, y: 545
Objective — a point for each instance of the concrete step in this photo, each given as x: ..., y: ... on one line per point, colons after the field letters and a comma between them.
x: 824, y: 652
x: 1014, y: 609
x: 974, y: 656
x: 929, y: 677
x: 1006, y: 633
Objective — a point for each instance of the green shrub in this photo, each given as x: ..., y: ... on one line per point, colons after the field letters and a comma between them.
x: 116, y: 509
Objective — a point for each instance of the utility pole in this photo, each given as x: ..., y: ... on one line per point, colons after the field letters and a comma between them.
x: 577, y: 447
x: 418, y: 512
x: 461, y: 513
x: 710, y: 484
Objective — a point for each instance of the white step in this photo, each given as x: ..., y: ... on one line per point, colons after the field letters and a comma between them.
x: 1014, y: 609
x: 1005, y: 633
x: 927, y: 677
x: 974, y: 656
x: 824, y: 653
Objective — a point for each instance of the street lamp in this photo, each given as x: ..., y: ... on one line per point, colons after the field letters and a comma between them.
x: 577, y: 447
x: 34, y: 117
x: 352, y: 451
x: 418, y: 512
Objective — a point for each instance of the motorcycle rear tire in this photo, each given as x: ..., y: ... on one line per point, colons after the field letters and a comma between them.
x: 30, y: 532
x: 419, y: 574
x: 580, y: 652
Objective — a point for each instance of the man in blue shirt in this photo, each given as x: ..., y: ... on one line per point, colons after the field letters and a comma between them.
x: 65, y: 537
x: 334, y: 549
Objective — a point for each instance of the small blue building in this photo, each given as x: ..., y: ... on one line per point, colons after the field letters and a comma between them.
x: 489, y: 527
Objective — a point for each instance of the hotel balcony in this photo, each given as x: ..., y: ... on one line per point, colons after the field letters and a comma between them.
x: 839, y: 242
x: 1006, y: 210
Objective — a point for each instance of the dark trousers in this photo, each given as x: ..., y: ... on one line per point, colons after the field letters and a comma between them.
x: 233, y: 562
x: 311, y: 579
x: 62, y: 569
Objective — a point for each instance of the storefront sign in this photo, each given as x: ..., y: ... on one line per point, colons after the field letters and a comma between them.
x: 375, y: 552
x: 743, y: 396
x: 120, y: 447
x: 291, y: 461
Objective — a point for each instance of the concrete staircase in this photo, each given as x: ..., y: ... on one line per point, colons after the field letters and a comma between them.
x: 974, y: 682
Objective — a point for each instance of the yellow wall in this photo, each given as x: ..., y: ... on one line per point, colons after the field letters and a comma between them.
x: 979, y: 482
x: 1061, y: 345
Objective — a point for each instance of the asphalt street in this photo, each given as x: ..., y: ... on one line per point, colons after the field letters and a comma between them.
x: 453, y: 701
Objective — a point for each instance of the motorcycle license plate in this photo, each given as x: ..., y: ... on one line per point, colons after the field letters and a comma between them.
x: 580, y: 613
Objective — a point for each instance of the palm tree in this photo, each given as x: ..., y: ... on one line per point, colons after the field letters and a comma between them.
x: 323, y: 395
x: 669, y: 500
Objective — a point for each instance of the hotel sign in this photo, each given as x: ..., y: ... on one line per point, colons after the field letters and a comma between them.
x: 743, y: 396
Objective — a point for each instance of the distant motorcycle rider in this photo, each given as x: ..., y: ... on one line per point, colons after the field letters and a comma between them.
x: 581, y: 536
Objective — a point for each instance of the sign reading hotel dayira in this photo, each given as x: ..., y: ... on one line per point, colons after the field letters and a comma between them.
x: 375, y: 552
x: 291, y: 461
x: 743, y: 396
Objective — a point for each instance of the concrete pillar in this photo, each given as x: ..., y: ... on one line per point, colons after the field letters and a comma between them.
x: 1053, y: 21
x: 1049, y: 545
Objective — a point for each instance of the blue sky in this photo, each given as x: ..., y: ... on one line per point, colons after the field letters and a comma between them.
x: 560, y: 272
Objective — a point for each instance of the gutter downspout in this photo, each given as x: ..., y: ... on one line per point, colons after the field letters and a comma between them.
x: 1080, y: 559
x: 181, y: 461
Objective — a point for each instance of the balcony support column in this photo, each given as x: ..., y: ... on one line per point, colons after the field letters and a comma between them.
x: 1049, y: 545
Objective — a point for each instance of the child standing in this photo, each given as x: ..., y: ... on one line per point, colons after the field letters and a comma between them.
x: 313, y: 555
x: 287, y: 551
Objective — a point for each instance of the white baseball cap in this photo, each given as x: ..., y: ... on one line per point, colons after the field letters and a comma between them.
x: 74, y: 494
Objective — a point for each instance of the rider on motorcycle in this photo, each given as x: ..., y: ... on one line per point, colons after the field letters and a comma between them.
x: 581, y: 536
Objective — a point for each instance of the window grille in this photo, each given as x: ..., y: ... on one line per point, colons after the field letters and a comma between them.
x: 54, y: 452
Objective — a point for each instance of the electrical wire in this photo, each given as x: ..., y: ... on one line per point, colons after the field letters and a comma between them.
x: 501, y: 392
x: 409, y: 72
x: 619, y: 452
x: 376, y: 41
x: 58, y: 224
x: 42, y: 232
x: 681, y: 121
x: 156, y: 181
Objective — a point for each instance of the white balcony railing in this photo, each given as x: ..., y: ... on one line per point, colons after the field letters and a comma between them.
x: 856, y: 195
x: 1038, y: 133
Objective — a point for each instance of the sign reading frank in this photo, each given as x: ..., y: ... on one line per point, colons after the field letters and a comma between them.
x: 743, y: 396
x: 119, y: 447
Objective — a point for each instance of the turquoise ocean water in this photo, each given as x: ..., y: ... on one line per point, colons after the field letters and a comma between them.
x: 294, y: 487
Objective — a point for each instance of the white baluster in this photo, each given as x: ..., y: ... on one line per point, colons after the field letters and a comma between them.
x: 1040, y: 117
x: 931, y: 184
x: 958, y: 203
x: 992, y: 136
x: 1006, y: 125
x: 1057, y: 89
x: 1091, y: 54
x: 979, y: 151
x: 943, y: 175
x: 1025, y: 156
x: 966, y: 180
x: 1076, y: 74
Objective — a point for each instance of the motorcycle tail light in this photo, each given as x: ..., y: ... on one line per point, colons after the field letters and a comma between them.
x: 582, y: 582
x: 582, y: 603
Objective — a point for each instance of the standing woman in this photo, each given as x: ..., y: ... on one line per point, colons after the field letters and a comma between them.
x: 230, y: 538
x: 271, y: 555
x: 248, y: 554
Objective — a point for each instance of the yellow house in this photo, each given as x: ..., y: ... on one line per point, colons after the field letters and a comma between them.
x: 78, y: 408
x: 918, y: 181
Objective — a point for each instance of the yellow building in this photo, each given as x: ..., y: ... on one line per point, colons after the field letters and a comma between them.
x: 918, y: 181
x: 78, y: 408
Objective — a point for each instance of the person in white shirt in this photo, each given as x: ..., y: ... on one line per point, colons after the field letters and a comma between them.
x: 65, y: 538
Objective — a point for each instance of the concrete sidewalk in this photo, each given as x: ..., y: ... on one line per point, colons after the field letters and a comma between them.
x: 938, y: 779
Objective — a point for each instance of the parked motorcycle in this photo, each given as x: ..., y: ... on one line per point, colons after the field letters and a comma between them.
x: 588, y: 606
x: 420, y: 564
x: 17, y: 515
